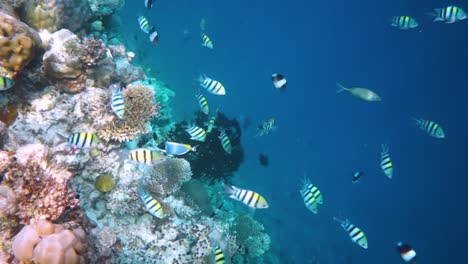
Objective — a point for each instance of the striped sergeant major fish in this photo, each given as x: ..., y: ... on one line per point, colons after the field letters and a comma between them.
x: 206, y: 41
x: 203, y: 103
x: 117, y: 101
x: 196, y: 133
x: 225, y: 142
x: 407, y: 253
x: 211, y: 124
x: 249, y: 198
x: 266, y: 127
x: 279, y: 81
x: 449, y: 14
x: 356, y: 234
x: 311, y: 195
x: 145, y: 25
x: 146, y: 156
x: 176, y: 149
x: 218, y: 255
x: 152, y: 206
x: 211, y: 85
x: 83, y: 140
x: 6, y: 83
x: 430, y: 127
x: 385, y: 162
x: 404, y: 22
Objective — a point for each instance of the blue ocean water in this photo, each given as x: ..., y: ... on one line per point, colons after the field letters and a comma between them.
x: 419, y: 73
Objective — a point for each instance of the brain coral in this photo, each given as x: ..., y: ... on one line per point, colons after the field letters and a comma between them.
x: 17, y: 45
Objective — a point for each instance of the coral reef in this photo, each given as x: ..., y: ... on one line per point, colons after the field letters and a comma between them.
x: 17, y: 45
x: 126, y: 72
x: 92, y: 52
x: 8, y: 203
x: 250, y: 237
x: 44, y: 242
x: 140, y: 107
x: 8, y: 114
x: 104, y: 7
x: 44, y: 14
x: 105, y: 183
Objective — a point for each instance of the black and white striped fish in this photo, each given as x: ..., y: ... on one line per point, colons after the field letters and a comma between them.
x: 152, y: 206
x: 6, y: 83
x: 117, y: 101
x: 145, y: 25
x: 407, y: 253
x: 225, y: 142
x: 356, y: 234
x: 249, y: 198
x: 154, y: 36
x: 148, y: 4
x: 83, y: 140
x: 146, y: 156
x: 404, y: 22
x: 311, y: 195
x: 218, y: 255
x: 430, y: 127
x: 203, y: 103
x: 279, y: 81
x: 385, y: 162
x: 449, y: 14
x: 196, y: 133
x: 211, y: 85
x: 206, y: 41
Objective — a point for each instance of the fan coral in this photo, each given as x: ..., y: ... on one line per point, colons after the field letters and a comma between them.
x: 92, y: 51
x: 139, y: 108
x: 44, y: 242
x: 41, y: 186
x: 17, y: 45
x: 44, y: 14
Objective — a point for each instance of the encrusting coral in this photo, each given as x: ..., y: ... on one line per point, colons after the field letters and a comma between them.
x: 46, y: 243
x: 17, y: 45
x: 92, y: 51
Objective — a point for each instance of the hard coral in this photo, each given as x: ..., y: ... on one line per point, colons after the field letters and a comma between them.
x: 251, y: 237
x: 44, y: 14
x: 17, y: 45
x: 44, y: 243
x: 139, y: 108
x: 168, y: 177
x: 7, y: 201
x: 41, y: 186
x: 92, y: 51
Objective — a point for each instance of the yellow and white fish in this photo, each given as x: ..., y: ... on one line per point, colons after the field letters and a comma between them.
x: 152, y: 206
x: 360, y: 93
x: 430, y: 127
x: 203, y: 103
x: 196, y: 133
x: 146, y: 156
x: 206, y: 41
x: 404, y: 22
x: 249, y: 198
x: 211, y: 124
x: 145, y: 25
x: 449, y: 14
x: 266, y: 127
x: 225, y: 142
x: 219, y: 257
x: 83, y: 140
x: 385, y: 162
x: 6, y: 83
x: 356, y: 234
x: 311, y: 195
x: 211, y: 85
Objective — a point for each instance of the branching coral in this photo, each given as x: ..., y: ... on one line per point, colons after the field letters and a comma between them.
x: 92, y: 51
x: 41, y: 186
x: 17, y: 45
x: 139, y: 108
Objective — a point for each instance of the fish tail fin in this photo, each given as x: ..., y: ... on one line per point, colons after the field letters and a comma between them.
x: 341, y: 88
x: 384, y: 148
x: 61, y: 137
x: 435, y: 15
x: 340, y: 221
x: 194, y: 149
x: 141, y: 191
x: 230, y: 189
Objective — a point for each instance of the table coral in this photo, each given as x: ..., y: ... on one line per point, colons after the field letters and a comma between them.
x: 17, y: 45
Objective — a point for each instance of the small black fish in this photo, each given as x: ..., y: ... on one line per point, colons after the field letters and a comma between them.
x: 263, y: 159
x: 357, y: 176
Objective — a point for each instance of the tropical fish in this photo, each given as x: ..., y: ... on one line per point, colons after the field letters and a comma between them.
x: 83, y: 140
x: 148, y: 4
x: 152, y: 206
x: 385, y: 162
x: 196, y: 133
x: 144, y: 25
x: 6, y: 83
x: 203, y: 103
x: 357, y: 176
x: 430, y: 127
x: 218, y: 255
x: 266, y: 127
x: 153, y: 36
x: 449, y: 14
x: 206, y: 41
x: 225, y: 142
x: 173, y: 148
x: 249, y: 198
x: 211, y: 85
x: 211, y: 124
x: 279, y: 81
x: 117, y: 101
x: 146, y: 156
x: 404, y: 22
x: 407, y: 253
x: 311, y: 195
x: 361, y: 93
x: 356, y: 235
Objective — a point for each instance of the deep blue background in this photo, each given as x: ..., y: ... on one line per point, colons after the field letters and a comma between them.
x: 420, y: 73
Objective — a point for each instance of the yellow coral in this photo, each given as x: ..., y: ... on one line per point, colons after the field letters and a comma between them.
x: 16, y: 45
x: 44, y: 14
x: 139, y: 108
x: 105, y: 183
